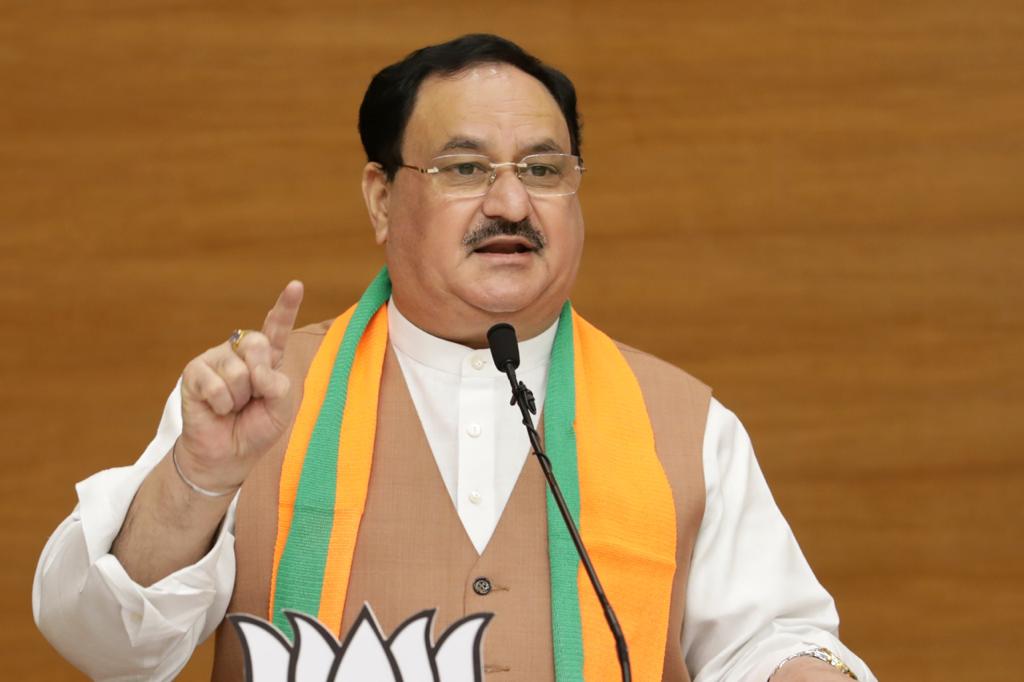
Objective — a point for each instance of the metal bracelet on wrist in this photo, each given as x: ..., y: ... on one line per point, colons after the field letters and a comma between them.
x: 202, y: 491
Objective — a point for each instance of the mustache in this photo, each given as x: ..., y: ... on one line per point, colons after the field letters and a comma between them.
x: 499, y: 227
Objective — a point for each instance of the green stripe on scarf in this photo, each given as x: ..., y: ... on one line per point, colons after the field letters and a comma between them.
x: 560, y: 441
x: 305, y: 554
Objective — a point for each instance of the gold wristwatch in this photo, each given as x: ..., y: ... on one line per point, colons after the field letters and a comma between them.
x: 822, y: 654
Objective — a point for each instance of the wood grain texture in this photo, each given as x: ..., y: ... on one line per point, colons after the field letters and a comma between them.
x: 814, y: 207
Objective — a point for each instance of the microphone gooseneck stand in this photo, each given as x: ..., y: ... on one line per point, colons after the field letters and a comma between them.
x: 505, y: 351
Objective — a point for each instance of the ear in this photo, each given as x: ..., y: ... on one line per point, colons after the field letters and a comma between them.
x: 376, y: 194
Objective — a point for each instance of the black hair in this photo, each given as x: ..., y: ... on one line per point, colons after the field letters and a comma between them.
x: 389, y: 99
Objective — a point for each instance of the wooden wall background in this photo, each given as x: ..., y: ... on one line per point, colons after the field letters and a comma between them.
x: 815, y: 207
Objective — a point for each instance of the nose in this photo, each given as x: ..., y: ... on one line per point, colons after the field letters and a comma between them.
x: 507, y: 197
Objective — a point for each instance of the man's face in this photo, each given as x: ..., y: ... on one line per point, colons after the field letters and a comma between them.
x: 443, y: 285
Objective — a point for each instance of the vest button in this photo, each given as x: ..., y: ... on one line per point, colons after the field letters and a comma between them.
x: 482, y: 586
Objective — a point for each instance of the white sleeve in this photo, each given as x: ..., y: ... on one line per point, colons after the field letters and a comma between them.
x: 96, y: 616
x: 752, y: 599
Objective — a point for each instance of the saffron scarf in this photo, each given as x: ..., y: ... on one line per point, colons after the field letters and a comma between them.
x: 601, y: 445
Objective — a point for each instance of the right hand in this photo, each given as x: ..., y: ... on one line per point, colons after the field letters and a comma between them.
x: 236, y: 404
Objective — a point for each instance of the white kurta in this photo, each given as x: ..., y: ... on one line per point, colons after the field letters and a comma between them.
x: 751, y: 598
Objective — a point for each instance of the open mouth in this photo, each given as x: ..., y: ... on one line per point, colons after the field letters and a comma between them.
x: 506, y: 246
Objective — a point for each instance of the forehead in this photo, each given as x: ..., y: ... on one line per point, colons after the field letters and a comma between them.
x: 495, y: 109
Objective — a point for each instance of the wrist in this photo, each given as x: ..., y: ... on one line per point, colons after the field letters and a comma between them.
x: 196, y: 482
x: 815, y: 664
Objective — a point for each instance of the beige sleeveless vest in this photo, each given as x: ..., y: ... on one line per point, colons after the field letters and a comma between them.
x: 413, y: 553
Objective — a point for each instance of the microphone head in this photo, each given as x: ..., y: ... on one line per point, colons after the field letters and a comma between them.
x: 504, y: 346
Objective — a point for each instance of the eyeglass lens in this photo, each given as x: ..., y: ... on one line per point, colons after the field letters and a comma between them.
x: 541, y: 174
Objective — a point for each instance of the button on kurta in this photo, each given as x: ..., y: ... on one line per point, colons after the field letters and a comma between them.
x: 482, y: 586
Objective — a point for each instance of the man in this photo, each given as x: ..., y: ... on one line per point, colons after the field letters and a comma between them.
x: 335, y: 435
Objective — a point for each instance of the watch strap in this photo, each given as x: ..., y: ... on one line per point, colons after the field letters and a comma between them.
x: 822, y: 654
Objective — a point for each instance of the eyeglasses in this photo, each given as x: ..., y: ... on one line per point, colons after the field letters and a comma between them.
x: 471, y: 175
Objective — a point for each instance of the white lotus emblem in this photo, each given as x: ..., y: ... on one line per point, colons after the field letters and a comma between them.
x: 409, y: 655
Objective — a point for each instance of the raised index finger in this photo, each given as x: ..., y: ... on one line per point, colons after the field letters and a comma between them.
x: 281, y: 318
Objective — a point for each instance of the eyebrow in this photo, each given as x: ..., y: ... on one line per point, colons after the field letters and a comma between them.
x: 546, y: 145
x: 457, y: 143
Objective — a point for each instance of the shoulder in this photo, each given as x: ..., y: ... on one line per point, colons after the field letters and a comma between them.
x: 677, y: 406
x: 306, y: 340
x: 312, y: 331
x: 303, y: 343
x: 661, y: 378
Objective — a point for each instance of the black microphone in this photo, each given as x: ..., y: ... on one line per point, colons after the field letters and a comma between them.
x: 504, y: 347
x: 505, y: 351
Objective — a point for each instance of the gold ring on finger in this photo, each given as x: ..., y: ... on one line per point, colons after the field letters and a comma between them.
x: 236, y: 338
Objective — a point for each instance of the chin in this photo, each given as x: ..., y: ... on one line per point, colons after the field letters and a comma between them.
x: 503, y: 300
x: 501, y: 306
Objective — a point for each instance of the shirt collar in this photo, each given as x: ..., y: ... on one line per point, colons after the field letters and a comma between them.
x: 448, y: 356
